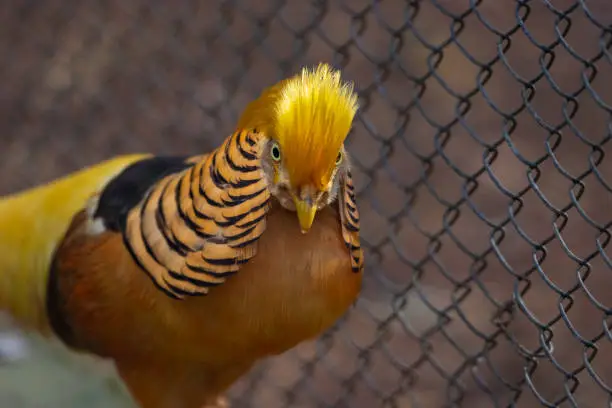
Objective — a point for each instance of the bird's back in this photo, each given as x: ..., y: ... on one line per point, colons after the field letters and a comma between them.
x: 32, y: 223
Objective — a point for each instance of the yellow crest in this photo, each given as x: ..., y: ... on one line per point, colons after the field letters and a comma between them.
x: 309, y: 115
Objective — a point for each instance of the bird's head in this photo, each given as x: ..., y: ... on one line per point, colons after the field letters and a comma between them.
x: 306, y: 119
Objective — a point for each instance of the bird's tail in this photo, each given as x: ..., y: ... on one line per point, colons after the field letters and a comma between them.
x: 31, y: 225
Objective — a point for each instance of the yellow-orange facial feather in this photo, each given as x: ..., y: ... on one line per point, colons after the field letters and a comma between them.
x: 309, y: 115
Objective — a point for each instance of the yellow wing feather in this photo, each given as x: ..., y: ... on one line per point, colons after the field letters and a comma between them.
x: 32, y: 223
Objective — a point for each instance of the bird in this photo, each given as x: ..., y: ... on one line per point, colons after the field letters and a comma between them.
x: 185, y: 271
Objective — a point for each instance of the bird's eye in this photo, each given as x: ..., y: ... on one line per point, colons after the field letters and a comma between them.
x: 339, y: 158
x: 275, y: 152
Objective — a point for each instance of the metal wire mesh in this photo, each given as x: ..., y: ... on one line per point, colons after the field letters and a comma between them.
x: 480, y: 154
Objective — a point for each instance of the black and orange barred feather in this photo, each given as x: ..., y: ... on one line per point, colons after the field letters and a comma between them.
x: 350, y: 221
x: 195, y: 228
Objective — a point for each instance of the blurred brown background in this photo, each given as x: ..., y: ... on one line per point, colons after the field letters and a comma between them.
x: 481, y: 154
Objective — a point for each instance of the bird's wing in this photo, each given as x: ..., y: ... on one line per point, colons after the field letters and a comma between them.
x: 32, y: 223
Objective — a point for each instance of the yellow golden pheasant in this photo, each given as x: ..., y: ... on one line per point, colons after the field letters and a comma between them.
x: 186, y: 271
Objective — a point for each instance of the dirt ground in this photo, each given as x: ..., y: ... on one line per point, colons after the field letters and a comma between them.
x: 484, y: 181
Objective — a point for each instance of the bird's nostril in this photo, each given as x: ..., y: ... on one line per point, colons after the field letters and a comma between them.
x: 309, y: 194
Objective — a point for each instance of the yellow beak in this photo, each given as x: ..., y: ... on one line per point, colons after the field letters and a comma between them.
x: 306, y: 211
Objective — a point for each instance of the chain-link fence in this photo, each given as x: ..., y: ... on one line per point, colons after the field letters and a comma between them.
x: 480, y: 154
